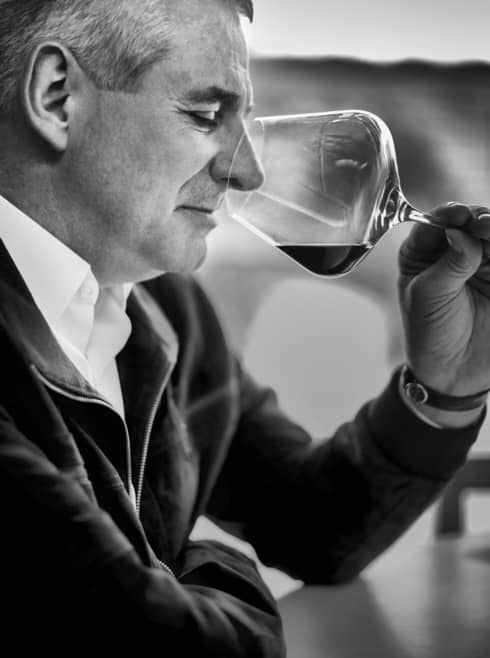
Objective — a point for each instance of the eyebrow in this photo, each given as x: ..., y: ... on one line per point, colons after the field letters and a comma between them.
x: 216, y: 94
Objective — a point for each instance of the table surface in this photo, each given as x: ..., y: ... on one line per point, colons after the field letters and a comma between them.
x: 432, y: 603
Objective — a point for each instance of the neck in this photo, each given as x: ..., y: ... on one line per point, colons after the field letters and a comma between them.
x: 51, y: 194
x: 34, y: 197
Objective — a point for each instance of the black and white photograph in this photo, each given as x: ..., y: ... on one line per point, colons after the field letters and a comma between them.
x: 245, y: 328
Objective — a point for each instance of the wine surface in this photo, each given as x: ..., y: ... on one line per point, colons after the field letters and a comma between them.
x: 326, y: 260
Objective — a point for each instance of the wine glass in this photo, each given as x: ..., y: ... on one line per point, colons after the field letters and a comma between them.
x: 331, y: 189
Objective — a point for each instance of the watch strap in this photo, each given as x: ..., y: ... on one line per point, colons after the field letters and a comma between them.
x: 418, y: 392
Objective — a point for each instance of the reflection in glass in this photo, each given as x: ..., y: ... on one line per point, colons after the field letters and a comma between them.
x: 331, y: 189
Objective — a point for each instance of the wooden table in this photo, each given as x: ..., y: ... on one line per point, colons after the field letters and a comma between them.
x: 435, y: 603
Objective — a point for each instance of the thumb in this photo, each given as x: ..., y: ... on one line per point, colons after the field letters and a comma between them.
x: 459, y: 262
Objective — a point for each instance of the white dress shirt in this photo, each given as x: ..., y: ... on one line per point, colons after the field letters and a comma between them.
x: 90, y: 323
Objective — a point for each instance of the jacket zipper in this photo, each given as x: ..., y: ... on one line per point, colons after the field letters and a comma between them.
x: 167, y: 569
x: 93, y: 400
x: 146, y: 441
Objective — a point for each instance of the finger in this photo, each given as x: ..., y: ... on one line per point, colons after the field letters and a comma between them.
x: 458, y: 263
x: 478, y: 223
x: 452, y: 214
x: 474, y: 219
x: 427, y: 240
x: 486, y: 250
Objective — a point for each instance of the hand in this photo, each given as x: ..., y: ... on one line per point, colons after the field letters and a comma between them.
x: 444, y: 291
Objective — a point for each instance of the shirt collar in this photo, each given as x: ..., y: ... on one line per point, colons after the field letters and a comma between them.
x: 53, y: 273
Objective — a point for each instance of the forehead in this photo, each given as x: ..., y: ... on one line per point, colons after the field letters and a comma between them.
x: 208, y: 48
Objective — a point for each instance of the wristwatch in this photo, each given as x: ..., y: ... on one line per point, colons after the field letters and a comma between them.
x: 418, y: 392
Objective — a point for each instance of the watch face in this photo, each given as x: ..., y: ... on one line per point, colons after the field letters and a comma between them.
x: 416, y: 392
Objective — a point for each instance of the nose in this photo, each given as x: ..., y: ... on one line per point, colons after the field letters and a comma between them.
x: 238, y: 165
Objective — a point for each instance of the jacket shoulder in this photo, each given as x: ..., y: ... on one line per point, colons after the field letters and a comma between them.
x: 187, y: 307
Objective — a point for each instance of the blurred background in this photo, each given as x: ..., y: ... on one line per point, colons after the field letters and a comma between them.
x: 328, y: 346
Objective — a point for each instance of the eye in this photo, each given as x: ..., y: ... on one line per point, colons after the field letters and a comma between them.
x: 204, y: 118
x: 208, y: 116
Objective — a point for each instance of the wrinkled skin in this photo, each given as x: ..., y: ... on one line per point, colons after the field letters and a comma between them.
x: 444, y: 290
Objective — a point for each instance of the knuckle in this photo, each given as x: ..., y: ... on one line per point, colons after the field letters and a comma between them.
x: 458, y: 263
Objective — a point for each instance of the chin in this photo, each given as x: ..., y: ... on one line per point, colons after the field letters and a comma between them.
x: 189, y: 261
x: 201, y: 259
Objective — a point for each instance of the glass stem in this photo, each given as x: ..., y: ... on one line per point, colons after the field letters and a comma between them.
x: 394, y: 209
x: 408, y: 213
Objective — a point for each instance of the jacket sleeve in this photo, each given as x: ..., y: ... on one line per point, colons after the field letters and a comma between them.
x: 216, y: 605
x: 322, y: 510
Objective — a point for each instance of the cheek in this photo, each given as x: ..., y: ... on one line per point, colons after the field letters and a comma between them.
x: 142, y: 163
x: 178, y: 171
x: 182, y: 153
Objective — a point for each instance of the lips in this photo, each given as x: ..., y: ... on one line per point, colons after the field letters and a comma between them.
x: 203, y: 216
x: 207, y: 207
x: 203, y: 209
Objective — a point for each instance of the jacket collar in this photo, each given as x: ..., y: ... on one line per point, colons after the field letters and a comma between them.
x: 26, y: 324
x: 152, y: 334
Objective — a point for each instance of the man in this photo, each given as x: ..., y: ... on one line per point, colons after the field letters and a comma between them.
x: 118, y: 126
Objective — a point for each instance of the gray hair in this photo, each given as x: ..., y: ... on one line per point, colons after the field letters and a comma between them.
x: 114, y: 42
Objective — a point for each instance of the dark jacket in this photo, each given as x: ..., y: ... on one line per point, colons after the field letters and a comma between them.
x: 79, y: 567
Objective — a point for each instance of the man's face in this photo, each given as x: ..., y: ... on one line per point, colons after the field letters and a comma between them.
x: 150, y: 168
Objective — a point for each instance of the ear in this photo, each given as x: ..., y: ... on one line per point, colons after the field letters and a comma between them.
x: 48, y: 93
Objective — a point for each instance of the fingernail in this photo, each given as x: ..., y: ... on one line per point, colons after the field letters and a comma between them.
x: 484, y: 216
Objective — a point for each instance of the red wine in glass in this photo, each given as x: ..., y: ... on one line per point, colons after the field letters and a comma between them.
x: 326, y: 260
x: 331, y: 188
